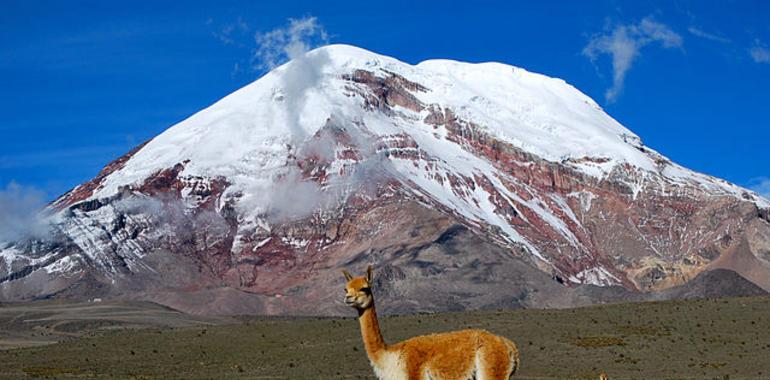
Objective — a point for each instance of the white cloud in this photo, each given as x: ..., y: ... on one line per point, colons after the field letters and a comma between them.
x: 21, y: 213
x: 623, y: 44
x: 268, y: 50
x: 709, y: 36
x: 292, y: 41
x: 760, y: 53
x: 761, y: 186
x: 649, y: 30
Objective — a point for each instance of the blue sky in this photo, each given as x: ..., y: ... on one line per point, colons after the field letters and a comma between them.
x: 83, y: 82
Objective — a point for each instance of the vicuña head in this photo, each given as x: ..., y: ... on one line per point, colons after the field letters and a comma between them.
x: 358, y: 291
x: 465, y: 354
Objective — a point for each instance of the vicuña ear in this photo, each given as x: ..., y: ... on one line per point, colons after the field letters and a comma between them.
x: 369, y: 274
x: 348, y: 277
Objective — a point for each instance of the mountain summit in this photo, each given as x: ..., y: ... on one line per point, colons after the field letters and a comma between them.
x: 479, y: 185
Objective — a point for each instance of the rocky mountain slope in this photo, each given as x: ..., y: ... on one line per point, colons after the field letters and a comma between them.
x: 467, y: 185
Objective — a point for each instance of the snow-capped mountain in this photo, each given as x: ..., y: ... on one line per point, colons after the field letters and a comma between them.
x: 483, y: 184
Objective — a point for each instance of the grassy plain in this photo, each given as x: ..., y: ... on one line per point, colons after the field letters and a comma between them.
x: 697, y: 339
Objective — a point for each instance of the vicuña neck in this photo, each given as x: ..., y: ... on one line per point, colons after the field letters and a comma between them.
x: 370, y: 331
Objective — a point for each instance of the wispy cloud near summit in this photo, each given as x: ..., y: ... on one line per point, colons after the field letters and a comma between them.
x: 623, y: 44
x: 267, y: 50
x: 290, y: 42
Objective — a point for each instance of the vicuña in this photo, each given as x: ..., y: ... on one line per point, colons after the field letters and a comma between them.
x: 466, y: 354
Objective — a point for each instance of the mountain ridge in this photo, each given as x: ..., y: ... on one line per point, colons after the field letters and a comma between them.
x: 311, y: 167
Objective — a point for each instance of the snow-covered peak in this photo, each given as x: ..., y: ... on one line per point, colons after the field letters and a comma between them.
x: 248, y: 135
x: 252, y: 126
x: 330, y: 152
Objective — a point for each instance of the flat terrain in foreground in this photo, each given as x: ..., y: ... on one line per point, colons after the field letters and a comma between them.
x: 698, y: 339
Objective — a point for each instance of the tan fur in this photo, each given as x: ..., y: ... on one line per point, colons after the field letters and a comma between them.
x: 457, y: 355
